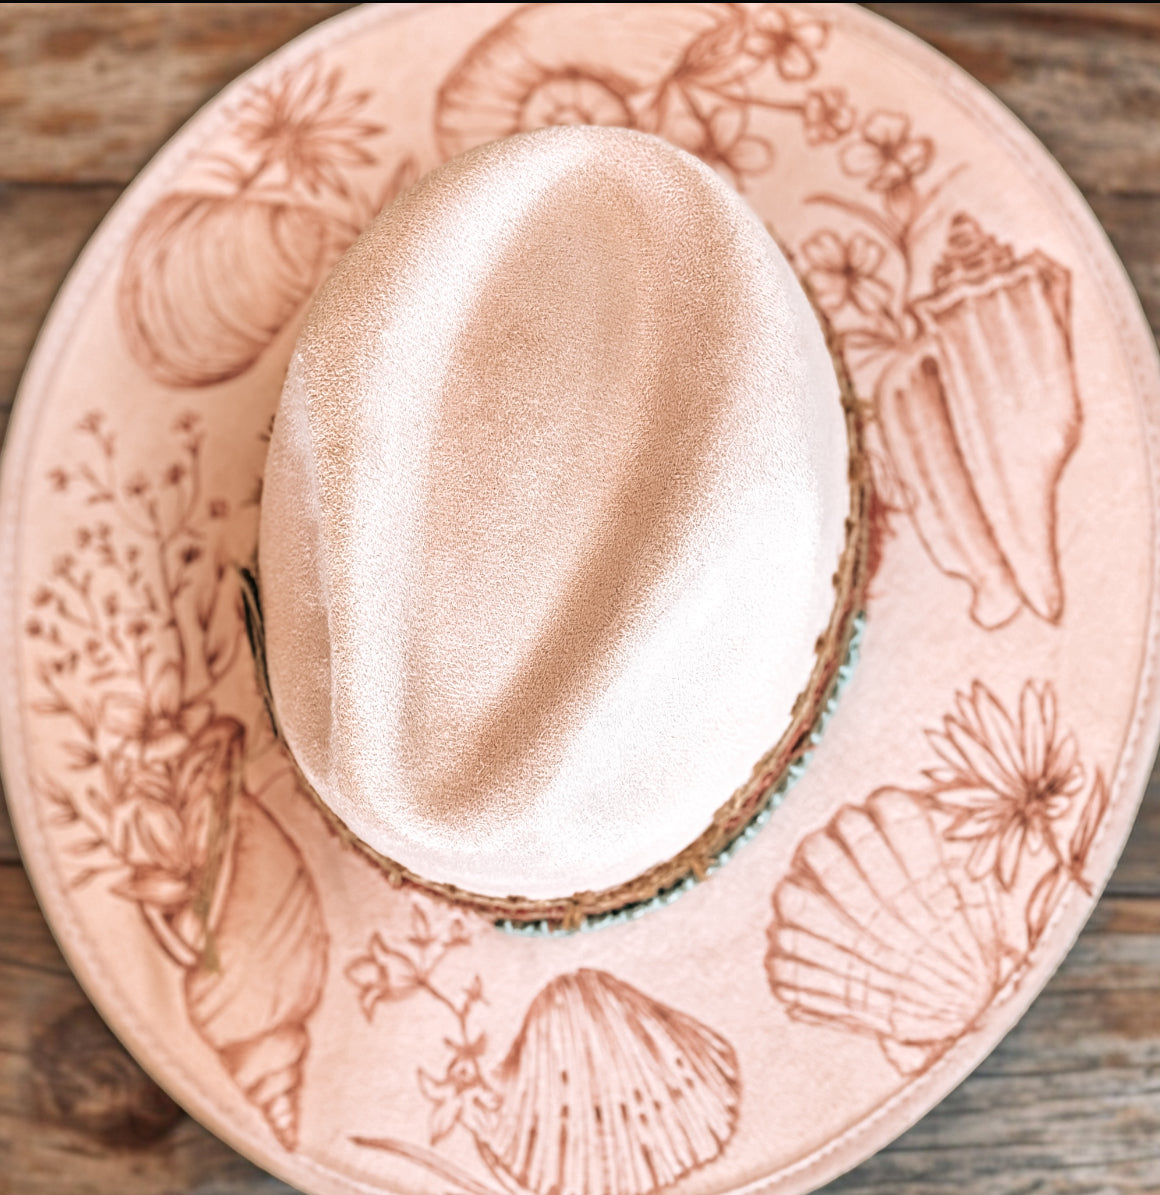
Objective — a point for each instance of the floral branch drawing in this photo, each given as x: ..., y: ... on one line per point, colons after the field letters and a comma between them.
x: 136, y: 631
x: 906, y: 917
x: 389, y: 973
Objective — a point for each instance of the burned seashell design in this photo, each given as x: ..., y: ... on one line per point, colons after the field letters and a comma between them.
x: 608, y: 1092
x: 695, y: 74
x: 875, y: 931
x: 523, y: 75
x: 210, y: 280
x: 157, y: 799
x: 905, y: 917
x: 980, y: 416
x: 269, y: 924
x: 214, y: 271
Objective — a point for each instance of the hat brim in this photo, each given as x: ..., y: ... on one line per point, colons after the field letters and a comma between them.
x: 946, y: 843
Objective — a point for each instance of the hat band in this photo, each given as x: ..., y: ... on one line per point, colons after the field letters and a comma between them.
x: 738, y: 816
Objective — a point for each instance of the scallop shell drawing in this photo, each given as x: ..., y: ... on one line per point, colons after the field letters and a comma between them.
x: 875, y: 931
x: 608, y: 1092
x: 604, y: 1091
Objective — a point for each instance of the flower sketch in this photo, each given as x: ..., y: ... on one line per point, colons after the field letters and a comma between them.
x: 1007, y: 782
x: 887, y: 153
x: 841, y: 272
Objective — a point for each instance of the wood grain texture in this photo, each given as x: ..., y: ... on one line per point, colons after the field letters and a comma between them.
x: 1070, y: 1102
x: 77, y: 105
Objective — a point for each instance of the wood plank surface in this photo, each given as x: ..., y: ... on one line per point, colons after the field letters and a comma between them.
x: 1068, y: 1105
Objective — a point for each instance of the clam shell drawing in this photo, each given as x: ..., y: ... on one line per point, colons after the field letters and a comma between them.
x: 210, y: 280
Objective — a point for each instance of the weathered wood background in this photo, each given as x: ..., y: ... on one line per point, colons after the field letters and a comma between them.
x: 1070, y: 1103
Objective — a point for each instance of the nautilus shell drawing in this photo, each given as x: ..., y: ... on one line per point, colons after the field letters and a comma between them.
x: 980, y: 416
x: 875, y: 931
x: 524, y: 75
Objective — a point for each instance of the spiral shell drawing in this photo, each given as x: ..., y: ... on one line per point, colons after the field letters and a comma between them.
x: 524, y: 74
x: 260, y: 976
x: 210, y: 280
x: 980, y: 417
x: 608, y: 1092
x: 875, y: 932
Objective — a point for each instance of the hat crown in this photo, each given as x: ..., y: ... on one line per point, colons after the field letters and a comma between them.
x: 555, y: 494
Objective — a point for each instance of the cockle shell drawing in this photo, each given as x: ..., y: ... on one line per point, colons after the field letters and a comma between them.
x: 210, y: 280
x: 980, y: 417
x: 874, y: 931
x: 906, y: 916
x: 604, y: 1091
x: 212, y: 274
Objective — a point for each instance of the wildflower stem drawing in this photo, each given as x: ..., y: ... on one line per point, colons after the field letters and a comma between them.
x: 389, y: 972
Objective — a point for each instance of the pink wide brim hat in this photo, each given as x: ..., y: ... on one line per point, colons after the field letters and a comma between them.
x: 919, y: 883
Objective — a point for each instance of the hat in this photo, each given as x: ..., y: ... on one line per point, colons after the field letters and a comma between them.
x: 545, y: 834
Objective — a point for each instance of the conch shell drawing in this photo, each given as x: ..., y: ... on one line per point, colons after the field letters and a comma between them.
x: 604, y: 1091
x: 251, y: 993
x: 980, y: 416
x: 252, y: 944
x: 210, y: 280
x: 875, y: 931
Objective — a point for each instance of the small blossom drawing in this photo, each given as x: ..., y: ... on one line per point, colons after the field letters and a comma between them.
x: 841, y: 272
x: 1007, y: 782
x: 790, y: 41
x: 826, y: 115
x: 887, y: 153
